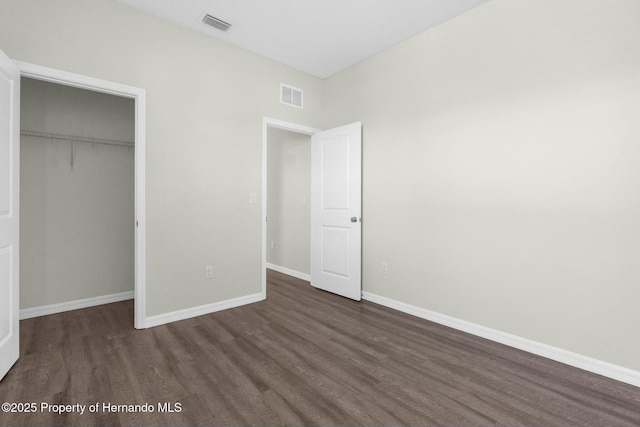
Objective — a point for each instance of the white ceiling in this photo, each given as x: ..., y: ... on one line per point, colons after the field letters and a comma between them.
x: 320, y: 37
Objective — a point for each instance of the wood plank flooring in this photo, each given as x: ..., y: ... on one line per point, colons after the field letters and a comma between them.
x: 303, y: 357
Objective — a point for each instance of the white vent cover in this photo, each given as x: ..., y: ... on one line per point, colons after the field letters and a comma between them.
x: 291, y: 95
x: 216, y: 23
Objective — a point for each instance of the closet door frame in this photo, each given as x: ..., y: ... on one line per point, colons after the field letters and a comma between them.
x: 139, y: 96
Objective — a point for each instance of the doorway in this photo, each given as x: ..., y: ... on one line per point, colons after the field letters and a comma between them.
x: 76, y: 198
x: 288, y: 203
x: 138, y: 96
x: 283, y: 250
x: 335, y: 206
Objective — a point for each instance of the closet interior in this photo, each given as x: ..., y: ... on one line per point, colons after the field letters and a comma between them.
x: 76, y: 195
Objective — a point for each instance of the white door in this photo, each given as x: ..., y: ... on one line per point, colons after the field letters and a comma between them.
x: 336, y: 200
x: 9, y: 197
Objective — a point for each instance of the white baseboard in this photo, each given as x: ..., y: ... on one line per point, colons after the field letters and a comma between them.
x: 44, y: 310
x: 289, y: 272
x: 600, y: 367
x: 188, y: 313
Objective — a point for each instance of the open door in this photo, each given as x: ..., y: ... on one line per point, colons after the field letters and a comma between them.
x: 336, y: 204
x: 9, y: 214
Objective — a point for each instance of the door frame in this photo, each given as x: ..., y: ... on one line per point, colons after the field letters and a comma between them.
x: 139, y: 96
x: 291, y: 127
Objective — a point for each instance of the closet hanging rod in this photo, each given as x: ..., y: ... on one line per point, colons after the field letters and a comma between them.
x: 74, y: 138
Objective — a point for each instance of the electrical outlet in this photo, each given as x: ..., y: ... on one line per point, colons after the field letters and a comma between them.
x: 208, y: 272
x: 253, y: 198
x: 384, y: 268
x: 273, y: 244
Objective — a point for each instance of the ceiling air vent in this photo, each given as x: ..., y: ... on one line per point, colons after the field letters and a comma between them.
x: 290, y: 95
x: 216, y: 23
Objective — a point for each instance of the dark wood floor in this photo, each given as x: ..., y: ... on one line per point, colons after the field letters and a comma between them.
x: 303, y: 357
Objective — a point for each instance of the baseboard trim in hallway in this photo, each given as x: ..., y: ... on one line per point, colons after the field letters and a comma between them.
x: 289, y: 272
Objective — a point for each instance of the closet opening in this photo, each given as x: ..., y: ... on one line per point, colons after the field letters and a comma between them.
x: 81, y: 193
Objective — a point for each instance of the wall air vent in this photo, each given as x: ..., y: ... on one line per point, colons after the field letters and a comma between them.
x: 216, y: 23
x: 290, y: 95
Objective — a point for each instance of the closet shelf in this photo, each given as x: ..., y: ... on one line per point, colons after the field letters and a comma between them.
x: 74, y: 138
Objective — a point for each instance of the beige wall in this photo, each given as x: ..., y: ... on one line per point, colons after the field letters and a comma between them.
x: 205, y: 103
x: 501, y: 174
x: 288, y: 200
x: 76, y: 225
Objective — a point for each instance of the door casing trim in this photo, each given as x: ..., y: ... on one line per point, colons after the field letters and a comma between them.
x: 139, y: 96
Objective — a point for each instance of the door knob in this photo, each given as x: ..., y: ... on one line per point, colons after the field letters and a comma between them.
x: 354, y: 219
